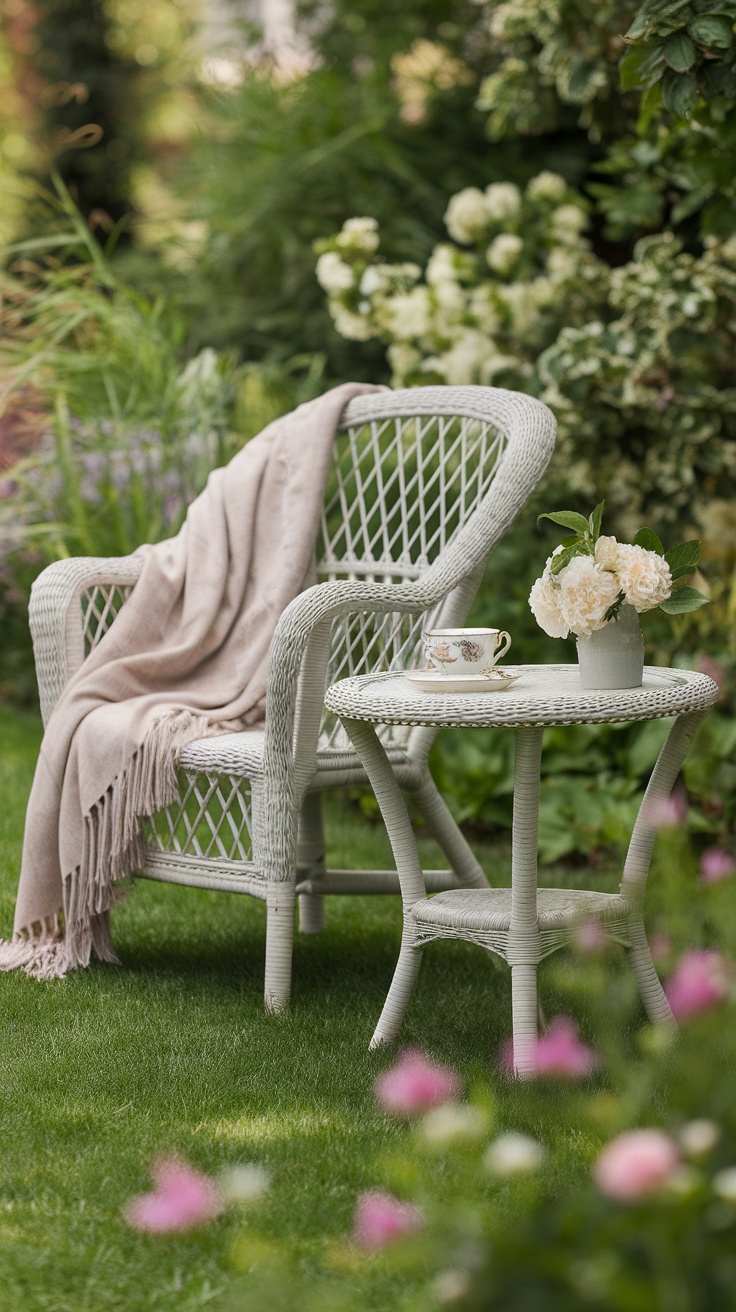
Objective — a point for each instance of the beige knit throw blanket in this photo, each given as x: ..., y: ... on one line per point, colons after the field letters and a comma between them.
x: 186, y: 657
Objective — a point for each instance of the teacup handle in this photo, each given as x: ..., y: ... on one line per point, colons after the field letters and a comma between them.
x: 502, y: 652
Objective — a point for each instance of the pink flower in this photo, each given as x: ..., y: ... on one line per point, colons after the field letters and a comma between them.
x: 698, y: 983
x: 660, y: 946
x: 666, y: 812
x: 590, y: 936
x: 716, y: 864
x: 381, y: 1219
x: 714, y: 670
x: 183, y: 1198
x: 636, y: 1164
x: 558, y: 1052
x: 414, y: 1084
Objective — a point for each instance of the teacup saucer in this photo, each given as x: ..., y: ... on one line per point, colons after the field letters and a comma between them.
x: 435, y: 681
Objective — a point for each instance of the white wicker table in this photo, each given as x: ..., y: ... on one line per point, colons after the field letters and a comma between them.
x: 522, y: 924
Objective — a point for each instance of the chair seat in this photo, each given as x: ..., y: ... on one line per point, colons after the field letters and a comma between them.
x: 488, y: 910
x: 241, y: 754
x: 226, y: 753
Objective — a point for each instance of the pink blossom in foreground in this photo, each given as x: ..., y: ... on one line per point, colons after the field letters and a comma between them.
x: 636, y: 1164
x: 716, y: 864
x: 381, y: 1219
x: 183, y: 1198
x: 698, y: 983
x: 666, y: 812
x: 558, y: 1052
x: 415, y: 1084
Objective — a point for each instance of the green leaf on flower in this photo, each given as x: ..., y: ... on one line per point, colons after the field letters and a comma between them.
x: 679, y: 52
x: 683, y: 600
x: 683, y: 559
x: 647, y: 538
x: 595, y: 521
x: 562, y: 559
x: 568, y: 519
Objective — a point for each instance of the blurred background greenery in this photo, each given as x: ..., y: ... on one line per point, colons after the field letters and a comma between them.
x: 171, y: 172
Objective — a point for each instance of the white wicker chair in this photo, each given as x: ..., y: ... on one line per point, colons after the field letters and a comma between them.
x: 424, y: 483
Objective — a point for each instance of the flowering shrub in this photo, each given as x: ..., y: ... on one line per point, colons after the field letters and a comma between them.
x: 635, y: 361
x: 606, y: 1180
x: 480, y: 315
x: 590, y: 577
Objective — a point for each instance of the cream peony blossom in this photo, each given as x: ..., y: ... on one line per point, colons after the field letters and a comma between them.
x: 587, y: 592
x: 606, y: 553
x: 545, y: 604
x: 644, y: 577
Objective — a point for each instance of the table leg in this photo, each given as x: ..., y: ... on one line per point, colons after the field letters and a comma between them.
x: 523, y: 940
x: 638, y: 859
x: 411, y: 879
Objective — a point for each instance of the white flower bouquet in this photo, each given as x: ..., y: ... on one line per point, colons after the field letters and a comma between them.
x: 589, y: 577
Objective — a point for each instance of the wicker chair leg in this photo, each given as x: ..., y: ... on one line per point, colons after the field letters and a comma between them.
x: 652, y: 994
x: 279, y: 945
x: 399, y: 995
x: 525, y: 1014
x: 444, y: 829
x: 311, y: 859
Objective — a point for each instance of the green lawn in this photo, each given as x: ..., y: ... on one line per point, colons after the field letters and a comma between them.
x: 172, y: 1052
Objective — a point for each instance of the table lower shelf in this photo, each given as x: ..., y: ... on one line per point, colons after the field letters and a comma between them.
x: 483, y: 916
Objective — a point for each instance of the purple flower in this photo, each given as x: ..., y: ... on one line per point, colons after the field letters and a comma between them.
x: 381, y: 1219
x: 183, y: 1199
x: 414, y: 1084
x: 716, y: 864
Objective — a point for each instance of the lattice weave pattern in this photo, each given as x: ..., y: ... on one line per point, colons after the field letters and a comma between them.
x: 424, y: 484
x: 211, y: 819
x: 400, y: 490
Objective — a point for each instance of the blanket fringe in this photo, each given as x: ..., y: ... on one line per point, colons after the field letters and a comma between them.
x: 112, y: 850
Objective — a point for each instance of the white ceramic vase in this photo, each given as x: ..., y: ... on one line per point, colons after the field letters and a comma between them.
x: 613, y: 657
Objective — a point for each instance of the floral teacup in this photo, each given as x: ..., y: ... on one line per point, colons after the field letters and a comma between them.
x: 465, y: 651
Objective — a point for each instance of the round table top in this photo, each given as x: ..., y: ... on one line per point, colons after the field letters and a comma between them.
x: 542, y: 694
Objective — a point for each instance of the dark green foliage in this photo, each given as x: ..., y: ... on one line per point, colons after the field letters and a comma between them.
x: 93, y: 103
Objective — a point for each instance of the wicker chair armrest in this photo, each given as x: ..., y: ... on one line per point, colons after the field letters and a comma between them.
x: 55, y: 616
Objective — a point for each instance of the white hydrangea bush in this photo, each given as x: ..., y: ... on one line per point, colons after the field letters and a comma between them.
x: 638, y: 362
x: 488, y: 301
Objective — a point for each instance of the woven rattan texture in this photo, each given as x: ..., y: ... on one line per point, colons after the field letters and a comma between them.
x: 424, y: 484
x: 544, y: 694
